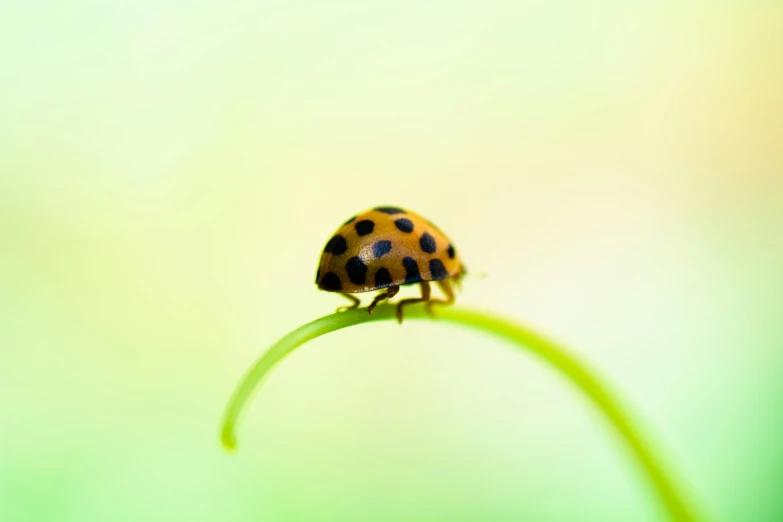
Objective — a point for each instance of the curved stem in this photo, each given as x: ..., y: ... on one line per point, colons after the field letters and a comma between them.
x: 524, y: 338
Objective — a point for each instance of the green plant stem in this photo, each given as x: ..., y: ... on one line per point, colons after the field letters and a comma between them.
x: 524, y: 338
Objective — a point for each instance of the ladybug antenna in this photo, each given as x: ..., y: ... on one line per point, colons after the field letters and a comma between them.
x: 477, y: 275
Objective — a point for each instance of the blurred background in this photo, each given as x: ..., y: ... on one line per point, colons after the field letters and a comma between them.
x: 170, y: 172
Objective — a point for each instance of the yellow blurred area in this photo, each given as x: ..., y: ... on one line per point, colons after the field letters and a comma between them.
x: 170, y: 172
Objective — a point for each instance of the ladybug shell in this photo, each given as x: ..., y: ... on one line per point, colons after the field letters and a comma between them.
x: 382, y: 247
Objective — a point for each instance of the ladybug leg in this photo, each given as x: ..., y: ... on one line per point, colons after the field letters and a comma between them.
x: 355, y: 304
x: 425, y: 296
x: 388, y: 294
x: 457, y: 278
x: 444, y: 285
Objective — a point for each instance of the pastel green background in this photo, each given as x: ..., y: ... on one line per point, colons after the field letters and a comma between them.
x: 170, y: 171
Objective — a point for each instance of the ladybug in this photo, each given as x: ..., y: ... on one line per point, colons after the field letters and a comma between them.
x: 383, y: 249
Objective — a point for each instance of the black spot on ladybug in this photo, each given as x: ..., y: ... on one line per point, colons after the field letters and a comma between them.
x: 331, y: 281
x: 412, y: 274
x: 381, y: 247
x: 450, y: 251
x: 390, y: 210
x: 349, y: 221
x: 364, y: 227
x: 427, y: 243
x: 382, y: 278
x: 336, y: 245
x: 357, y: 270
x: 437, y: 270
x: 404, y: 224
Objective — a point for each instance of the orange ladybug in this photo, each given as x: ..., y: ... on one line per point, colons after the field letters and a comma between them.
x: 384, y: 248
